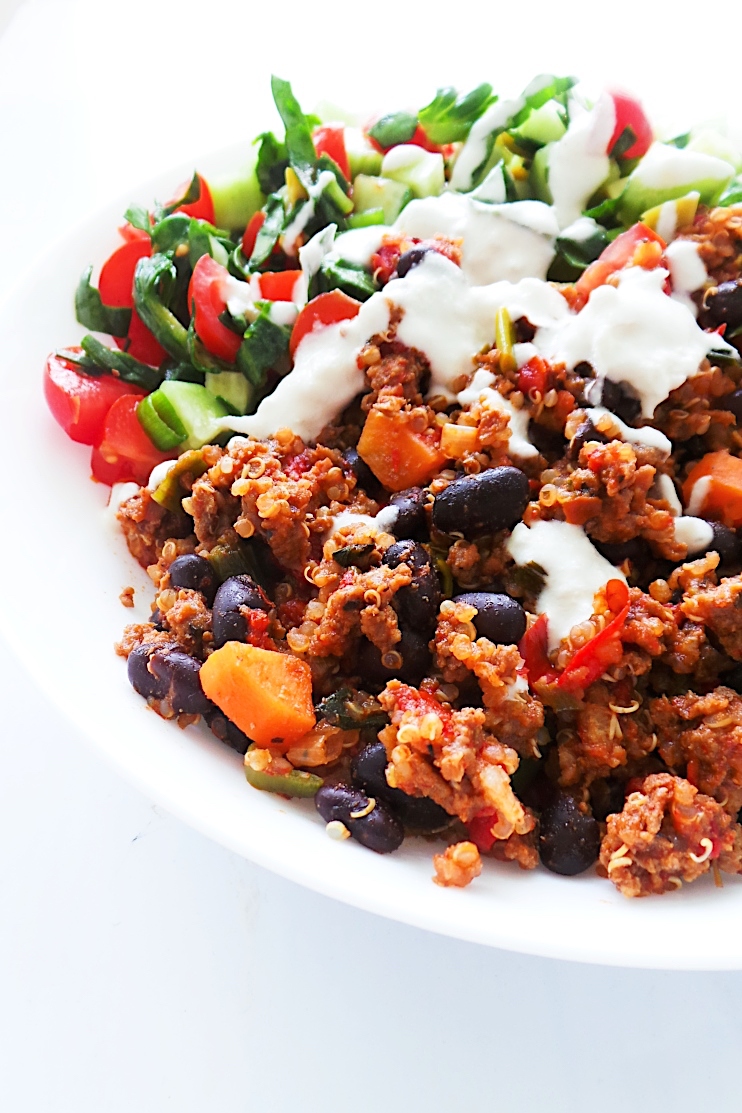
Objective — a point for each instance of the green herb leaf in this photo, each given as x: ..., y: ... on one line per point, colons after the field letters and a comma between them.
x: 265, y: 348
x: 272, y: 162
x: 397, y: 127
x: 449, y: 117
x: 138, y: 217
x: 120, y: 364
x: 270, y: 230
x: 299, y: 146
x: 357, y: 555
x: 624, y: 143
x: 93, y: 314
x: 155, y: 280
x: 191, y: 195
x: 352, y: 710
x: 353, y: 280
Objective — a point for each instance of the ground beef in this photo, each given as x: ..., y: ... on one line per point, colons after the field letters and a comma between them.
x: 360, y: 603
x: 608, y: 732
x: 513, y: 714
x: 667, y: 833
x: 700, y: 737
x: 719, y: 608
x: 147, y: 526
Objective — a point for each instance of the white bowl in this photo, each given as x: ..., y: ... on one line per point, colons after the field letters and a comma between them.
x: 64, y: 565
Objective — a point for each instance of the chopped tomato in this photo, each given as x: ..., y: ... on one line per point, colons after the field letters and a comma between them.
x: 80, y: 402
x: 125, y: 452
x: 329, y: 139
x: 534, y: 649
x: 630, y: 114
x: 480, y: 830
x: 534, y: 376
x: 250, y: 235
x: 206, y: 295
x: 203, y: 209
x: 325, y: 309
x: 128, y: 232
x: 602, y: 651
x: 279, y: 285
x: 115, y: 286
x: 616, y: 256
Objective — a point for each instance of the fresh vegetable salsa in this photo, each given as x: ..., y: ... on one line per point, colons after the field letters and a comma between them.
x: 428, y: 437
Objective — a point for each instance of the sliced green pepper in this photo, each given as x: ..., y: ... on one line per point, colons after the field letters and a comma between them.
x: 295, y: 783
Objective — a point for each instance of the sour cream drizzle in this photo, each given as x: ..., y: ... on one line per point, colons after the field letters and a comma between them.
x: 574, y: 569
x: 578, y: 162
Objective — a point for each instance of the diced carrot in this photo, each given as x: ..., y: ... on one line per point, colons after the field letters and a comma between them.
x: 722, y: 499
x: 267, y: 694
x: 397, y: 455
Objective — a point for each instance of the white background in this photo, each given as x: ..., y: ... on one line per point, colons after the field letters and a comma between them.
x: 144, y: 969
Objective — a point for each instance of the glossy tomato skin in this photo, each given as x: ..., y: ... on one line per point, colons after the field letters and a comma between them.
x: 116, y: 289
x: 329, y: 139
x: 630, y: 114
x: 279, y: 285
x: 325, y: 309
x: 80, y: 402
x: 124, y: 452
x: 250, y: 235
x: 207, y: 299
x: 203, y: 209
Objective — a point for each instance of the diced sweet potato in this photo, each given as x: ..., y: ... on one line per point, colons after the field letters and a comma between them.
x: 397, y: 455
x: 267, y: 694
x: 722, y: 497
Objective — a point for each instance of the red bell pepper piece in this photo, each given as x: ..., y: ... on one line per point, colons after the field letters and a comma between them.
x: 329, y: 139
x: 480, y: 830
x: 533, y: 648
x: 605, y: 649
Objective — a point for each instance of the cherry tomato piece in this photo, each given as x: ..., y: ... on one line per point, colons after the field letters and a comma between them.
x: 329, y: 139
x: 325, y: 309
x: 125, y: 452
x: 616, y: 256
x: 279, y: 285
x: 115, y: 286
x: 630, y: 114
x: 203, y: 209
x: 250, y: 235
x: 80, y: 402
x: 206, y: 296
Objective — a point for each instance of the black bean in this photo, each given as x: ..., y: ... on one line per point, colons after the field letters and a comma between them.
x: 409, y: 660
x: 365, y: 478
x: 228, y: 622
x: 726, y: 543
x: 585, y: 432
x: 156, y: 619
x: 417, y: 604
x: 411, y: 523
x: 723, y: 306
x: 180, y: 673
x: 368, y: 771
x: 549, y: 442
x: 731, y: 402
x: 498, y: 617
x: 620, y: 399
x: 143, y: 681
x: 607, y: 797
x: 195, y: 573
x: 569, y: 841
x: 733, y: 679
x: 524, y: 330
x: 379, y: 829
x: 226, y: 731
x: 636, y: 550
x: 485, y: 503
x: 410, y: 259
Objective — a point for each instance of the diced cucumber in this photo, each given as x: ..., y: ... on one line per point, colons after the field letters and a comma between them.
x: 366, y: 219
x: 422, y: 171
x: 539, y: 176
x: 196, y: 409
x: 380, y: 193
x: 231, y: 387
x: 237, y: 196
x: 711, y: 142
x: 666, y: 173
x: 362, y: 156
x: 543, y: 125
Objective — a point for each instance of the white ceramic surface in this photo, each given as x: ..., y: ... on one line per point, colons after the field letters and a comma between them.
x: 67, y: 566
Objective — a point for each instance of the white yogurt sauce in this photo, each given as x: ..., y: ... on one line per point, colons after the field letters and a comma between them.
x: 698, y: 494
x: 633, y: 333
x: 305, y: 213
x: 665, y: 489
x: 574, y: 569
x: 509, y: 241
x: 158, y: 473
x: 695, y: 533
x: 474, y: 152
x: 480, y: 390
x: 687, y: 271
x: 578, y: 162
x: 651, y: 438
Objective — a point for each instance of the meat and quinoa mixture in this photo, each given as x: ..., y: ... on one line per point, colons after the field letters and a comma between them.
x: 462, y: 559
